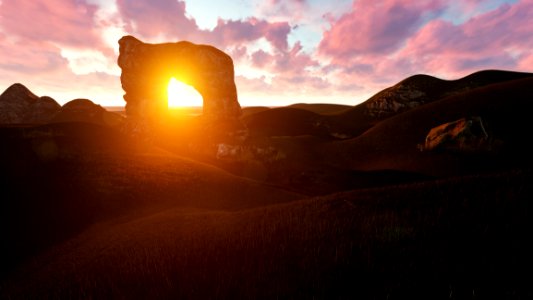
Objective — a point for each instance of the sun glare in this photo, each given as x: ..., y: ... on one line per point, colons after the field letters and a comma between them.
x: 182, y: 95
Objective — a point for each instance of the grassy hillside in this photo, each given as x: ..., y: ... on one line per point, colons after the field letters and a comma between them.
x: 427, y: 89
x: 283, y: 121
x: 392, y: 143
x: 55, y: 184
x: 460, y: 237
x: 342, y: 204
x: 249, y: 110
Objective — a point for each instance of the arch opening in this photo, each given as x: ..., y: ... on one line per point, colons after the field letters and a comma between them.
x: 182, y: 95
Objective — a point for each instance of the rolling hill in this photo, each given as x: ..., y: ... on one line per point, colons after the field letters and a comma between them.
x: 321, y: 108
x: 462, y: 236
x: 58, y: 179
x: 342, y: 122
x: 392, y: 143
x: 421, y: 89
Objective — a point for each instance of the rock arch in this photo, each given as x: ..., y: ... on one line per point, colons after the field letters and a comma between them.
x: 147, y: 69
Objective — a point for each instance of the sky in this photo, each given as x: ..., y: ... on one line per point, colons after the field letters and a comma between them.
x: 292, y: 51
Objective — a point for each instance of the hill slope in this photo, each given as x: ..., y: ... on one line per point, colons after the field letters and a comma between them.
x: 421, y: 89
x: 392, y: 143
x: 458, y: 236
x: 58, y: 179
x: 341, y: 122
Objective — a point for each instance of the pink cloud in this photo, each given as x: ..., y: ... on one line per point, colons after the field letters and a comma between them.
x: 152, y: 18
x: 238, y: 53
x: 261, y: 58
x: 251, y: 85
x: 283, y: 9
x: 168, y: 18
x: 497, y: 39
x: 228, y: 32
x: 376, y: 27
x: 292, y: 61
x: 69, y: 22
x: 46, y: 72
x: 526, y: 62
x: 276, y: 33
x: 500, y: 38
x: 292, y: 71
x: 25, y: 56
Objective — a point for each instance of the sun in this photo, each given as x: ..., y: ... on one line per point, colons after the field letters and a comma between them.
x: 182, y: 95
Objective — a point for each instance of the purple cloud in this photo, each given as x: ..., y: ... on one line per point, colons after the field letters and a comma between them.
x: 152, y: 18
x: 69, y: 22
x: 376, y: 27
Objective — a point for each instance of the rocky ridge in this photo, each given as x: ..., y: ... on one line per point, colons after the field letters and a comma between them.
x: 420, y: 89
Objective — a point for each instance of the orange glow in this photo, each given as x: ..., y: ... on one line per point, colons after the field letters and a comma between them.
x: 182, y: 95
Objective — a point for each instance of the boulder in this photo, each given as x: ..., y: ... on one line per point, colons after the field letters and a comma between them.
x: 84, y: 110
x: 463, y: 135
x: 18, y: 105
x: 147, y: 69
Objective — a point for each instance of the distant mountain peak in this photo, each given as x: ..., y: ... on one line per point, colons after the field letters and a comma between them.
x: 20, y: 105
x: 18, y: 92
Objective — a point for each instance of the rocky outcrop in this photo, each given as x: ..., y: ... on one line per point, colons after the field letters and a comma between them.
x: 395, y: 100
x: 18, y: 105
x: 421, y: 89
x: 463, y: 135
x: 147, y: 69
x: 409, y: 93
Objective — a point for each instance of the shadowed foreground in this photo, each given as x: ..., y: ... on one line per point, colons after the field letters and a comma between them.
x: 316, y: 201
x: 459, y: 237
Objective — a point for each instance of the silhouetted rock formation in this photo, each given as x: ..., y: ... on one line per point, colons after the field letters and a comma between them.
x: 84, y: 110
x: 464, y: 135
x: 147, y: 69
x: 19, y: 105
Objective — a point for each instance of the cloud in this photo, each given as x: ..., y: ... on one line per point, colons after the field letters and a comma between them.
x: 156, y: 18
x: 500, y: 38
x: 297, y: 48
x: 230, y: 32
x: 48, y: 73
x: 168, y: 20
x: 252, y: 85
x: 376, y: 27
x: 44, y: 36
x: 51, y: 43
x: 25, y: 56
x: 238, y: 52
x: 261, y: 58
x: 33, y: 38
x: 283, y: 9
x: 291, y: 61
x: 68, y: 22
